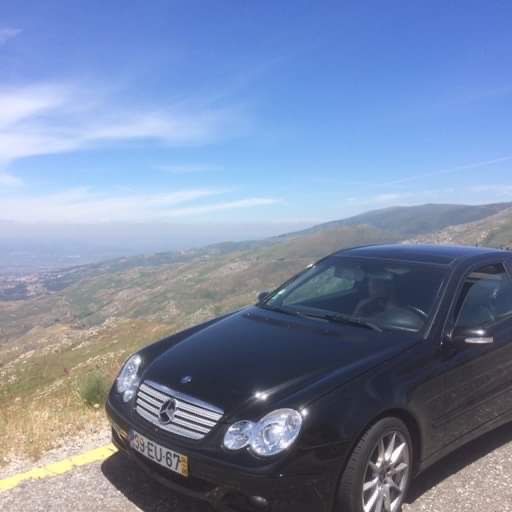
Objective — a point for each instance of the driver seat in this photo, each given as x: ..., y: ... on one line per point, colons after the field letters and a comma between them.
x: 380, y: 298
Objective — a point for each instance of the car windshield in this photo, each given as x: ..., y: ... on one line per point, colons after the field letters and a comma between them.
x: 370, y: 293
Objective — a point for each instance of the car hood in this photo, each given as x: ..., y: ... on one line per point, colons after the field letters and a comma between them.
x: 257, y: 355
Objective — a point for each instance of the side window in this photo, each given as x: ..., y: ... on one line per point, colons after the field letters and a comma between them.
x: 486, y: 297
x: 325, y: 283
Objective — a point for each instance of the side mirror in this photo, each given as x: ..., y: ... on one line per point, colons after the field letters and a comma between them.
x: 262, y: 296
x: 472, y: 336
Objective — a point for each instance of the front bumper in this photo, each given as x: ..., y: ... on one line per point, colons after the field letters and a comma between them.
x: 231, y: 489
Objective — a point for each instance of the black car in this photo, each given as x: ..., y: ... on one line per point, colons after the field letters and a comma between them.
x: 332, y: 392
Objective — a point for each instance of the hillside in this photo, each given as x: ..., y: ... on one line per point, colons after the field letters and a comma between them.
x: 168, y: 287
x: 493, y: 231
x: 65, y: 333
x: 415, y: 220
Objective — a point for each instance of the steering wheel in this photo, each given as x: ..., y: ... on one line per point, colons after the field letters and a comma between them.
x: 418, y: 311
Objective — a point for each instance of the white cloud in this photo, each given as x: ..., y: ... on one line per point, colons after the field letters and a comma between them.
x: 460, y: 168
x: 56, y: 118
x: 82, y: 206
x: 501, y: 191
x: 15, y: 145
x: 26, y: 102
x: 167, y: 126
x: 7, y: 33
x: 44, y: 119
x: 440, y: 172
x: 8, y: 180
x: 189, y: 168
x: 390, y: 198
x: 227, y: 205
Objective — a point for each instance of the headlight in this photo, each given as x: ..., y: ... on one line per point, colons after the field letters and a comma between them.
x: 238, y: 435
x: 128, y: 378
x: 276, y: 432
x: 273, y: 434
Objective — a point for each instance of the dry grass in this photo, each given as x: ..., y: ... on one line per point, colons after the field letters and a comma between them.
x: 57, y: 392
x: 32, y: 424
x: 29, y: 429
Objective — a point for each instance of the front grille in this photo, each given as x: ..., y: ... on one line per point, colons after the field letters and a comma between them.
x: 193, y: 418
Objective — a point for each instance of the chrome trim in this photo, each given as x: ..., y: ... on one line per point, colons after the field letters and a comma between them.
x: 190, y: 426
x: 147, y: 398
x: 193, y: 418
x: 477, y: 340
x: 170, y: 427
x: 183, y: 396
x: 148, y: 407
x: 197, y: 419
x: 197, y: 410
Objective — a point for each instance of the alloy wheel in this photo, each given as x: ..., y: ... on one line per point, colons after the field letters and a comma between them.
x: 387, y: 474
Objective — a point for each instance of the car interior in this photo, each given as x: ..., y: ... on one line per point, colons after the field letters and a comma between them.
x: 486, y: 297
x: 396, y: 297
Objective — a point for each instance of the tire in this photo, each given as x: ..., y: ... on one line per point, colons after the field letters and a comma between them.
x: 385, y: 481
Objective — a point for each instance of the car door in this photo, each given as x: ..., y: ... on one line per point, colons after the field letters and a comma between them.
x: 479, y: 375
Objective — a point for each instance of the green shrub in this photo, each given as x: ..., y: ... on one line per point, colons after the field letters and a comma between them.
x: 94, y: 389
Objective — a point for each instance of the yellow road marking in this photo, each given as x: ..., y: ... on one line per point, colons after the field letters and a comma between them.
x: 59, y: 468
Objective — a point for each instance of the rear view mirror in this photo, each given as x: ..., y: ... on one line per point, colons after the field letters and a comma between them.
x: 262, y: 296
x: 472, y: 336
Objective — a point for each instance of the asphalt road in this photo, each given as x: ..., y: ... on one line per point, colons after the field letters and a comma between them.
x: 476, y: 478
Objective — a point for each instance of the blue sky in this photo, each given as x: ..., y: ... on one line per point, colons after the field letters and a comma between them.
x: 275, y: 114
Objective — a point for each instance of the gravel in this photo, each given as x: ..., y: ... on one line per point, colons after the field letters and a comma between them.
x: 478, y: 477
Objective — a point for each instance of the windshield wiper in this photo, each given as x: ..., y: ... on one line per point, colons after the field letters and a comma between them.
x: 277, y: 309
x: 331, y: 317
x: 353, y: 320
x: 345, y: 319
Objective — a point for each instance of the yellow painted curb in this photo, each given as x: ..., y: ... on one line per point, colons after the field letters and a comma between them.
x: 59, y: 468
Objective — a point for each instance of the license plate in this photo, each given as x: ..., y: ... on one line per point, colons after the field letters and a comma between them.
x: 157, y: 453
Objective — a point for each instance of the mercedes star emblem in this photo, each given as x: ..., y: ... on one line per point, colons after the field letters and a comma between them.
x: 167, y: 411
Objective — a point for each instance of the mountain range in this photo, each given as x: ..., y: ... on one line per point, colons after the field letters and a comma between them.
x: 172, y: 290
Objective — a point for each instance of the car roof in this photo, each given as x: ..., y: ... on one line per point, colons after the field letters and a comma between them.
x: 439, y: 254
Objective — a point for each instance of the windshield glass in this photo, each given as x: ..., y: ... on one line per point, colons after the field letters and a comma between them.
x: 381, y: 294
